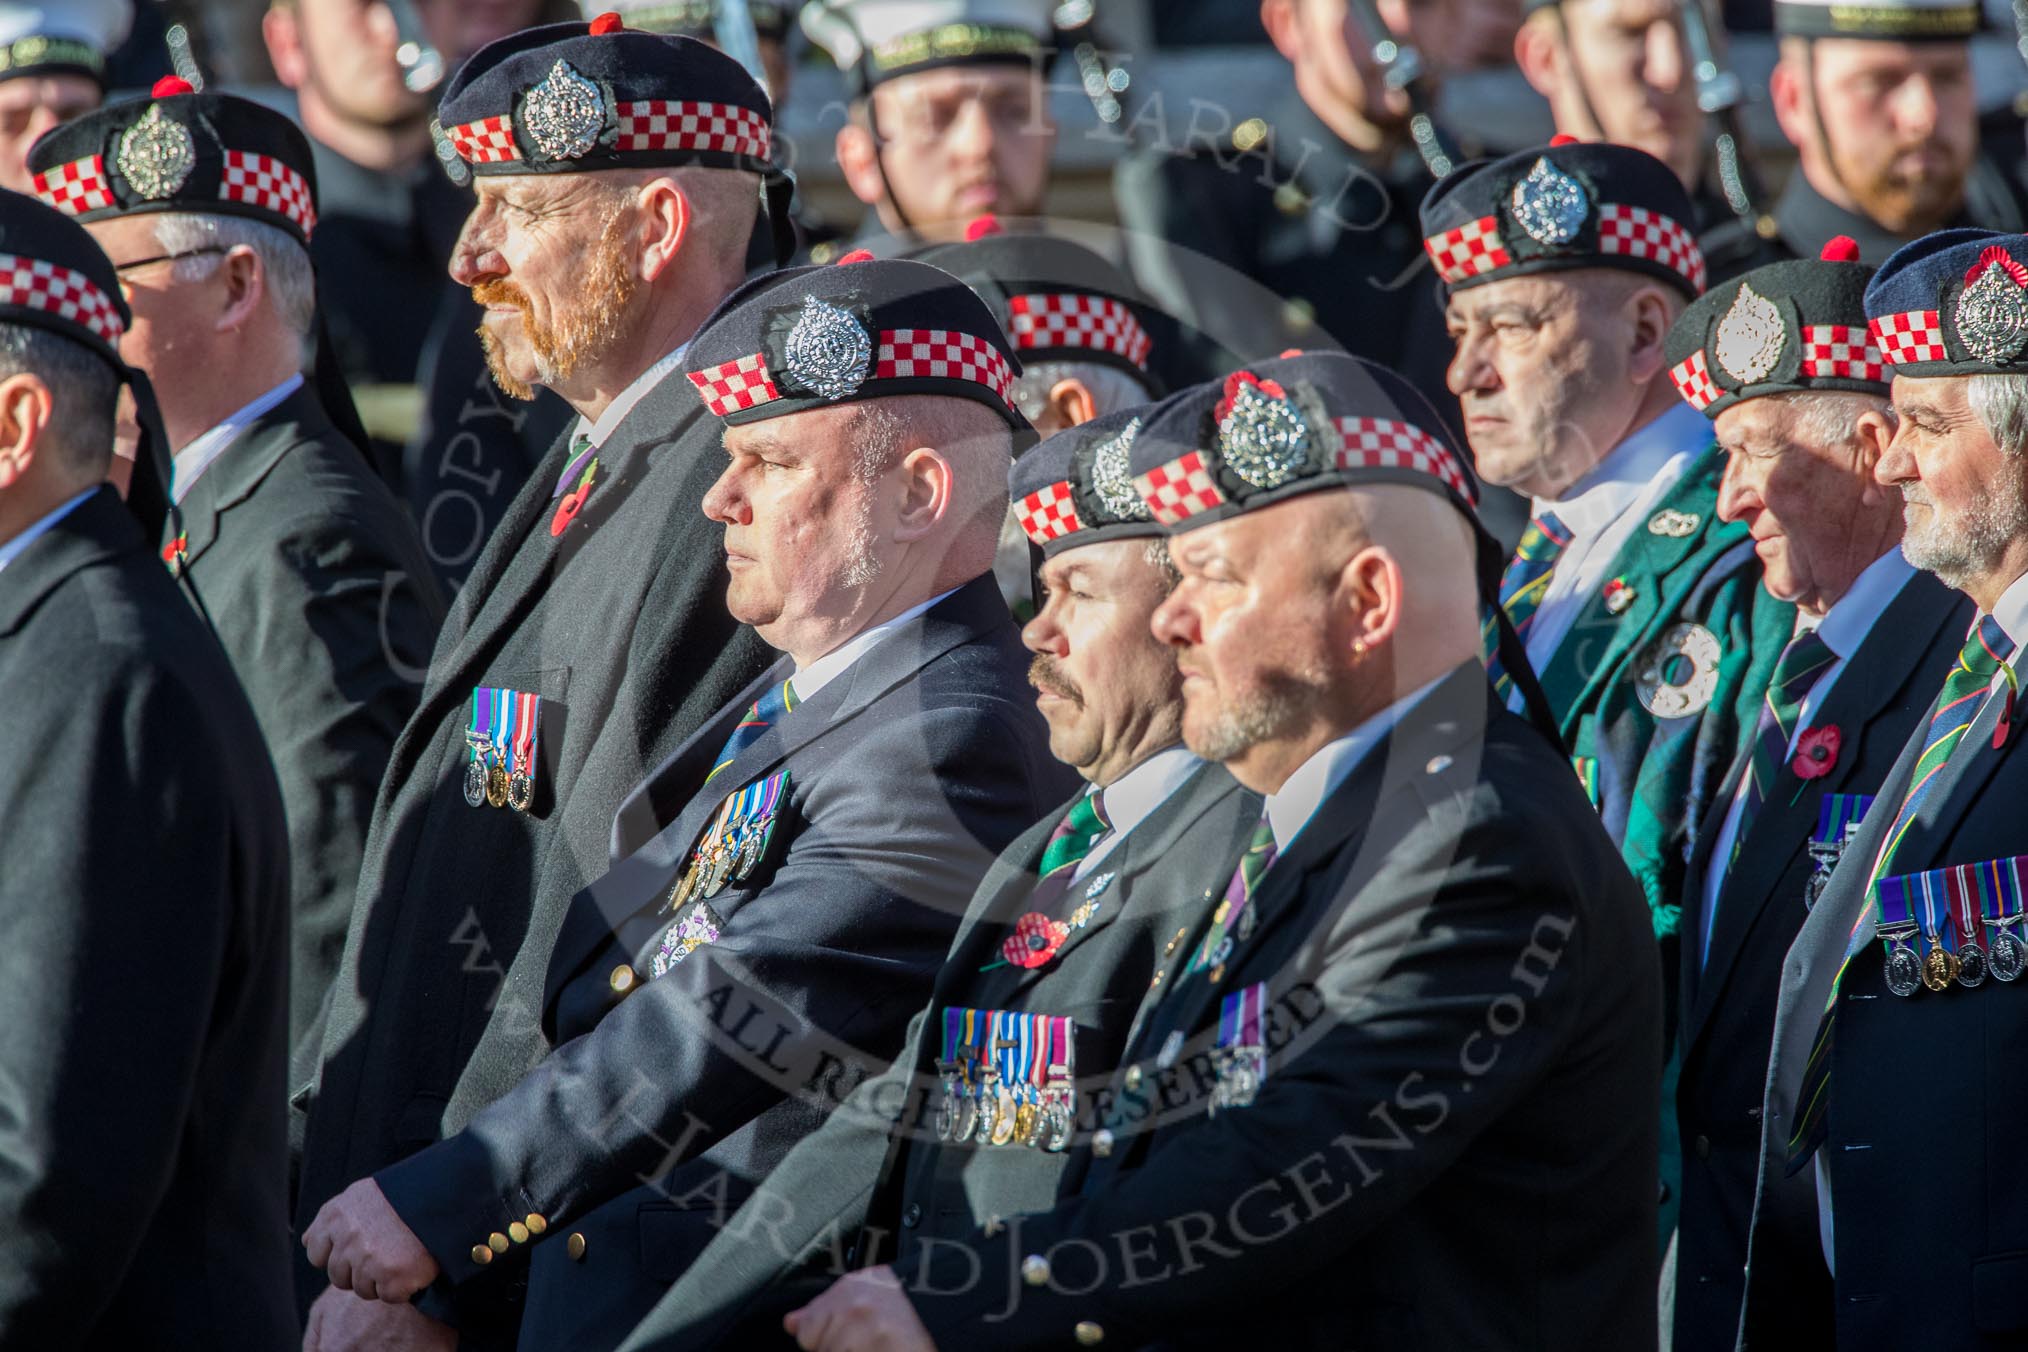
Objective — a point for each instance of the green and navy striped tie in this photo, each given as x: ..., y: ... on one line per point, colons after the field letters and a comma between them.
x: 1799, y: 668
x: 1522, y: 586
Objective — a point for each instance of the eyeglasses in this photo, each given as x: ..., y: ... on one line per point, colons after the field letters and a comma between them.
x: 124, y: 268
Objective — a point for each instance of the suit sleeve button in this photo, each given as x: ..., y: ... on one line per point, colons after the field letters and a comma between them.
x: 912, y: 1217
x: 536, y: 1223
x: 1089, y: 1334
x: 622, y: 979
x: 498, y: 1241
x: 481, y: 1254
x: 574, y: 1246
x: 518, y: 1232
x: 1035, y: 1269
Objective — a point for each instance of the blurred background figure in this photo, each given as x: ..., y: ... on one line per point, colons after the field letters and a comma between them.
x: 52, y: 69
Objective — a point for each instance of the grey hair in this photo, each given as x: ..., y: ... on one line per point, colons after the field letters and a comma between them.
x: 83, y: 392
x: 291, y: 285
x: 1155, y: 553
x: 1827, y: 418
x: 2001, y: 403
x: 1111, y: 388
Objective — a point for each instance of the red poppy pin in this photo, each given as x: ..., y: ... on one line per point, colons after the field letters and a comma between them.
x: 1035, y: 940
x: 1817, y: 752
x: 572, y: 502
x: 177, y: 553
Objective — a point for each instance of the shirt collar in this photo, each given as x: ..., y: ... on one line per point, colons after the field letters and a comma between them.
x: 1846, y: 623
x: 828, y: 668
x: 12, y: 549
x: 2012, y: 611
x: 1130, y: 798
x: 621, y: 406
x: 1290, y: 807
x: 1617, y: 482
x: 190, y: 463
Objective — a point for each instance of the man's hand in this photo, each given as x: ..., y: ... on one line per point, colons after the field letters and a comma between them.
x: 342, y: 1323
x: 362, y: 1245
x: 861, y: 1312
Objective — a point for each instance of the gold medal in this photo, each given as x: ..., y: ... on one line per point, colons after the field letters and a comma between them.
x: 1027, y: 1123
x: 1003, y: 1117
x: 496, y: 787
x: 1939, y: 969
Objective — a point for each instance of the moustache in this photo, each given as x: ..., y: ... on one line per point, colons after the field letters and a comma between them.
x: 1044, y: 675
x: 1916, y: 494
x: 500, y: 293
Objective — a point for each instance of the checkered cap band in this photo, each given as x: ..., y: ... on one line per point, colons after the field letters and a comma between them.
x: 59, y: 291
x: 1070, y: 319
x: 1179, y: 489
x: 1693, y: 381
x: 263, y: 181
x: 1048, y: 513
x: 1385, y: 443
x: 1636, y: 232
x: 488, y: 141
x: 736, y: 385
x: 943, y: 354
x: 77, y: 187
x: 1841, y: 350
x: 1469, y: 250
x: 663, y: 124
x: 1911, y: 336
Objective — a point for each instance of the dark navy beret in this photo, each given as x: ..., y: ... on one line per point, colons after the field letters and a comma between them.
x: 1954, y: 303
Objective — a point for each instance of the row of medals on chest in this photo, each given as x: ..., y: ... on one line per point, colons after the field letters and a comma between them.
x: 488, y: 780
x: 980, y: 1105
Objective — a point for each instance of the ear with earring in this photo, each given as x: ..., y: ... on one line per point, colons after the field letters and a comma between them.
x: 1359, y: 647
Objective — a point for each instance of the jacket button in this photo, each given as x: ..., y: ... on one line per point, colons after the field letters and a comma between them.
x: 517, y: 1232
x: 912, y: 1217
x: 1089, y: 1334
x: 622, y: 979
x: 1702, y: 1146
x: 1102, y: 1142
x: 498, y: 1241
x: 536, y: 1224
x: 1133, y: 1077
x: 481, y: 1254
x: 574, y: 1246
x: 1035, y: 1269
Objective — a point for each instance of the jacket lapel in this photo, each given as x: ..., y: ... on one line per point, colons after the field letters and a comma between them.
x: 1888, y: 660
x: 97, y: 529
x: 239, y: 469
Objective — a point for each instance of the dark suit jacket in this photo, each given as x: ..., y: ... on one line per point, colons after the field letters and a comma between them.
x: 876, y: 1165
x: 1455, y: 1145
x: 1926, y: 1099
x: 619, y: 624
x: 144, y: 960
x: 315, y: 584
x: 1728, y: 1006
x: 908, y: 773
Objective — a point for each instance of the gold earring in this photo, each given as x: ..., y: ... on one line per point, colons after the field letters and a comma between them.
x: 1359, y: 647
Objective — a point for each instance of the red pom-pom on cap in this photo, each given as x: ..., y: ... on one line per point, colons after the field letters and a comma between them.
x: 856, y: 256
x: 1560, y: 139
x: 982, y: 226
x: 170, y: 85
x: 605, y: 23
x: 1840, y: 249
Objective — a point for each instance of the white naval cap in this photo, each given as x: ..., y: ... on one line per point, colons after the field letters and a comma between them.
x: 876, y: 40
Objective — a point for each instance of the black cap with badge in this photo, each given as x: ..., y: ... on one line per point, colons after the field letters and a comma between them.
x: 1570, y: 204
x: 1077, y: 487
x: 1780, y: 329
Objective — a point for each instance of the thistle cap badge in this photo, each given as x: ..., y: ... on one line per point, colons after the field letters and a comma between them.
x: 1549, y: 204
x: 156, y: 155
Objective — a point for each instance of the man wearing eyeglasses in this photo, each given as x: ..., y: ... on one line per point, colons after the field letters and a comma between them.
x: 301, y: 560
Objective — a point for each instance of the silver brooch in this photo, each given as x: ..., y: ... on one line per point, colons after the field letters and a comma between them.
x: 1680, y: 674
x: 564, y: 114
x: 1112, y: 477
x: 1549, y: 204
x: 828, y: 351
x: 1673, y: 524
x: 1748, y: 340
x: 1992, y: 315
x: 1264, y: 439
x: 156, y: 155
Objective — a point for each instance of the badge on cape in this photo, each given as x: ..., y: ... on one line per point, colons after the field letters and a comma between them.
x: 1680, y: 675
x: 1992, y: 310
x: 564, y: 114
x: 156, y: 155
x: 1549, y: 204
x: 1263, y: 436
x: 1673, y: 524
x: 1748, y: 340
x: 828, y: 351
x: 1112, y: 477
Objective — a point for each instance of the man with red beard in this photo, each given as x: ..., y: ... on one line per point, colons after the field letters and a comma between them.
x: 592, y: 637
x: 1878, y: 100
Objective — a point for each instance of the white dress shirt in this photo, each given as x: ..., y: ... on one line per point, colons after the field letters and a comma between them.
x: 1134, y: 795
x: 11, y: 550
x: 1844, y: 627
x: 828, y: 668
x: 207, y: 446
x: 1602, y: 511
x: 623, y: 404
x: 1290, y: 807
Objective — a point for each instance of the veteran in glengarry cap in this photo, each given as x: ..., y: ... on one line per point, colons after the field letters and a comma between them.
x: 1316, y: 1138
x: 618, y: 179
x: 294, y: 551
x: 1055, y: 953
x: 1893, y: 1064
x: 1782, y: 363
x: 809, y: 851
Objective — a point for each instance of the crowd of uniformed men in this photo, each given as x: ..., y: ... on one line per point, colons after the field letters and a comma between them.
x: 976, y: 794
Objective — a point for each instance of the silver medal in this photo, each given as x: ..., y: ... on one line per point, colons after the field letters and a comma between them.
x: 1972, y: 965
x: 564, y: 114
x: 2006, y: 958
x: 1549, y: 204
x: 1903, y: 971
x: 156, y: 155
x: 1265, y: 441
x: 828, y: 351
x: 1056, y: 1120
x: 475, y: 781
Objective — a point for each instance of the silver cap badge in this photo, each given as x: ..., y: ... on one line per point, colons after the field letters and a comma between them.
x: 1549, y: 204
x: 828, y: 351
x: 1264, y: 438
x: 1748, y: 340
x: 564, y: 114
x: 1992, y: 314
x: 1112, y: 477
x: 156, y: 155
